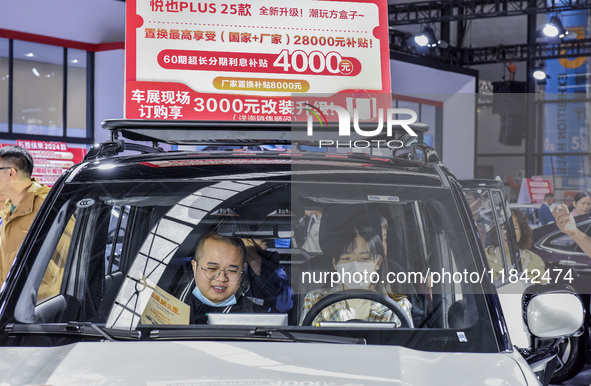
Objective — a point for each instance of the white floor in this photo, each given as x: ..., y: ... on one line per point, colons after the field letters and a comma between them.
x: 583, y: 379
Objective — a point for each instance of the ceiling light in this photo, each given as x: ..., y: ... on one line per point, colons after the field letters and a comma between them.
x: 35, y: 72
x: 422, y: 40
x: 550, y: 30
x: 540, y: 75
x: 554, y: 28
x: 426, y: 38
x: 29, y: 54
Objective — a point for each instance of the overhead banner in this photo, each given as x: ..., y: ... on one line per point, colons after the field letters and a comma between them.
x: 217, y: 60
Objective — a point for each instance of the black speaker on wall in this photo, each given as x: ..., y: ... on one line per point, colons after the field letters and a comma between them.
x: 510, y: 103
x: 512, y: 130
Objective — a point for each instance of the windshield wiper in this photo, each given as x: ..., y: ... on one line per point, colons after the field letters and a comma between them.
x: 86, y: 329
x: 324, y: 338
x: 251, y: 334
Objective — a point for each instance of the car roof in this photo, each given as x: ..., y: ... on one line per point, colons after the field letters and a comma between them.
x: 182, y: 164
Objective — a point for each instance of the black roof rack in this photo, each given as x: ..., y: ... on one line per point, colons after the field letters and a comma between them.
x: 237, y: 132
x: 244, y: 133
x: 200, y: 132
x: 117, y: 146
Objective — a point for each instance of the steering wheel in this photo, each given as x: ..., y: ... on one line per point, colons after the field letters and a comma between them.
x: 358, y: 294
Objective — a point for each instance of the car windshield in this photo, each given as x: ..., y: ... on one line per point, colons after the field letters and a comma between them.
x: 126, y: 259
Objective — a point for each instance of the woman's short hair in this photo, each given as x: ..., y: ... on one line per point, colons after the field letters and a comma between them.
x: 340, y: 225
x: 526, y: 240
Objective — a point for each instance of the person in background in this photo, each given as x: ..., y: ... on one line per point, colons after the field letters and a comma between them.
x: 531, y: 263
x: 24, y: 198
x: 307, y: 230
x: 545, y: 211
x: 581, y: 204
x: 218, y: 267
x: 268, y: 283
x: 483, y: 223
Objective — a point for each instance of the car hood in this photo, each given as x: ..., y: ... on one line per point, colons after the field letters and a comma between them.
x: 254, y: 363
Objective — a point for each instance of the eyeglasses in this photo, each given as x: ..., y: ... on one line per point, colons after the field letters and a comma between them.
x: 7, y: 167
x: 212, y: 273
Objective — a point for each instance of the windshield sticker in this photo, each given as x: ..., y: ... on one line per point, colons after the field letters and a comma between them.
x: 85, y: 203
x: 373, y: 197
x: 462, y: 336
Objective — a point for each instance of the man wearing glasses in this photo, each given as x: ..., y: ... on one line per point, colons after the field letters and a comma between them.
x: 217, y: 267
x: 24, y: 198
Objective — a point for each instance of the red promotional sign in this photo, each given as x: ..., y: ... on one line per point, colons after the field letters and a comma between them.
x: 214, y: 60
x: 533, y: 190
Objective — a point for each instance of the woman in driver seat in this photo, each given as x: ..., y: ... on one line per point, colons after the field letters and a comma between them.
x: 357, y: 252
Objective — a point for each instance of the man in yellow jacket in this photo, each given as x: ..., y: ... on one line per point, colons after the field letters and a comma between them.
x: 24, y: 198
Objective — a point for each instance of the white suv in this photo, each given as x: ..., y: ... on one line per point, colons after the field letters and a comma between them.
x: 117, y: 233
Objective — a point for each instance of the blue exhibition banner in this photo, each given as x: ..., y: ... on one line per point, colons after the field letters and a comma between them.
x: 565, y: 114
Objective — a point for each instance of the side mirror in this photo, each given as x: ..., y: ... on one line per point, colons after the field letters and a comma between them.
x: 552, y: 311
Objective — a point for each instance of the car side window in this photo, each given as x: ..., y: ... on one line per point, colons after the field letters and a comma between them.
x: 88, y: 263
x: 115, y: 238
x: 561, y: 242
x: 487, y: 217
x: 503, y: 215
x: 492, y: 218
x: 52, y: 279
